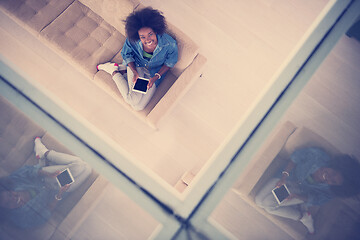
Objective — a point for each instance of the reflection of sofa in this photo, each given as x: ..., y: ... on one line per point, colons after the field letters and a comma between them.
x: 338, y: 219
x: 17, y: 133
x: 89, y: 32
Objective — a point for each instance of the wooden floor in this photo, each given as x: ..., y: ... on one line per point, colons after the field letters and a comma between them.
x: 245, y: 42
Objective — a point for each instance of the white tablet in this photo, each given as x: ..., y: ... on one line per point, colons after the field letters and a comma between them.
x: 65, y: 177
x: 141, y: 85
x: 281, y: 193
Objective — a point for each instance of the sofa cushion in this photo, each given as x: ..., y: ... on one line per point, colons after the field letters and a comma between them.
x: 17, y: 134
x: 187, y: 50
x: 112, y: 11
x: 161, y: 91
x: 84, y: 36
x: 36, y: 14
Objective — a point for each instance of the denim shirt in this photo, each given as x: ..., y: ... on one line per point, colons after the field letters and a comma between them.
x: 165, y: 53
x: 35, y: 211
x: 309, y: 160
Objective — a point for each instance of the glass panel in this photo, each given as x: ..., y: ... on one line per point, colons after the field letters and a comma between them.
x: 325, y: 115
x: 253, y: 36
x: 34, y: 206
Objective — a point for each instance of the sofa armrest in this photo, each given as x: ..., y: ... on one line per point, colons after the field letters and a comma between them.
x: 81, y: 211
x: 177, y: 90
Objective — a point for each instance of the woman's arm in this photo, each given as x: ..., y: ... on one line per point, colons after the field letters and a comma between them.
x: 52, y: 204
x: 289, y: 168
x: 286, y: 173
x: 161, y: 72
x: 133, y: 69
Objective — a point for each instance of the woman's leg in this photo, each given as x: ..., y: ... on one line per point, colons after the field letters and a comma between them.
x: 78, y: 168
x: 138, y: 101
x: 130, y: 97
x: 292, y: 212
x: 145, y: 99
x: 266, y: 200
x: 115, y: 70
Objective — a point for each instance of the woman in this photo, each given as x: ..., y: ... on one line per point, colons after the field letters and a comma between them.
x: 313, y: 178
x: 28, y: 195
x: 148, y: 52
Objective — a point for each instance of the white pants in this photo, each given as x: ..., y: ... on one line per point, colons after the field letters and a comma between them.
x: 136, y: 100
x: 60, y: 161
x: 288, y: 209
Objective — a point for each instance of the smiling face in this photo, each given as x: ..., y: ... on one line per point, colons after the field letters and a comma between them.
x: 331, y: 177
x: 148, y: 38
x: 12, y: 199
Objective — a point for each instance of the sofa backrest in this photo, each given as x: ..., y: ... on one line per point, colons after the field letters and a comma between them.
x: 36, y: 14
x: 304, y: 137
x: 17, y: 134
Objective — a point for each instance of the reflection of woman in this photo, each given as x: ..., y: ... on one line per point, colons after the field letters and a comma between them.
x: 148, y: 52
x: 313, y: 178
x: 29, y: 194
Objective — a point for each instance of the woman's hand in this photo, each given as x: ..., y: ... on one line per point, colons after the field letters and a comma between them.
x: 132, y: 66
x: 63, y: 189
x: 58, y: 197
x: 152, y: 81
x: 285, y: 174
x: 136, y: 76
x: 282, y: 181
x: 292, y: 196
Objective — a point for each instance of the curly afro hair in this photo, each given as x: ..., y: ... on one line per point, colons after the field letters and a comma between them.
x: 349, y: 168
x: 146, y: 17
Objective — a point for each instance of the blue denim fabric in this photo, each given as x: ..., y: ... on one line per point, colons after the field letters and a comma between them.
x: 165, y: 53
x: 309, y: 160
x: 35, y: 211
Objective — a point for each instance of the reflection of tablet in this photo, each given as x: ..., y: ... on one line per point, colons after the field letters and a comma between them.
x: 64, y: 178
x: 141, y: 85
x: 281, y: 193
